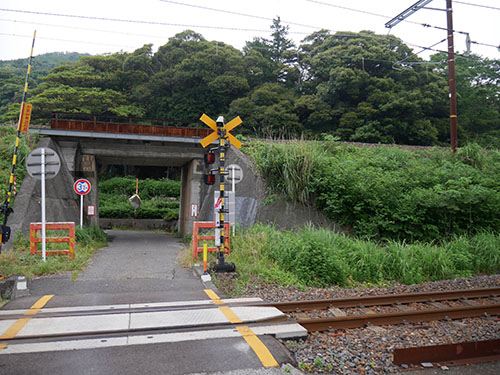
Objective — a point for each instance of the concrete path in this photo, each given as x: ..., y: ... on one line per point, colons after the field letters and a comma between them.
x: 136, y: 267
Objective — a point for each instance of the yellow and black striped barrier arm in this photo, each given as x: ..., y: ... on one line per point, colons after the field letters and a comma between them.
x: 5, y: 208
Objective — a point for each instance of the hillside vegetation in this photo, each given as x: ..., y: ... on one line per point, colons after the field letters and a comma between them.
x: 13, y: 75
x: 7, y: 144
x: 409, y: 216
x: 385, y: 192
x: 356, y: 86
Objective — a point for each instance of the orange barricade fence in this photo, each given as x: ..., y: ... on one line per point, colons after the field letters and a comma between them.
x: 69, y: 239
x: 197, y: 225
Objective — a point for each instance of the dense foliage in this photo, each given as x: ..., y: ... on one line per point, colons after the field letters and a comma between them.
x: 386, y: 192
x: 12, y: 78
x: 318, y: 257
x: 356, y: 86
x: 7, y: 144
x: 159, y: 198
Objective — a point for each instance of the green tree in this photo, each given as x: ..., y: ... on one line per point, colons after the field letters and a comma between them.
x: 196, y: 76
x: 363, y: 97
x: 269, y: 111
x: 478, y: 97
x: 278, y: 62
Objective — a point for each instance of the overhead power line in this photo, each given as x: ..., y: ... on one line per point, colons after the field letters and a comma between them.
x: 337, y: 33
x: 476, y: 5
x: 69, y: 40
x: 81, y: 28
x: 236, y: 13
x: 405, y: 20
x: 133, y: 21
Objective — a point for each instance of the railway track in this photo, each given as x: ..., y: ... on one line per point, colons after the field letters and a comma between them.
x: 391, y: 309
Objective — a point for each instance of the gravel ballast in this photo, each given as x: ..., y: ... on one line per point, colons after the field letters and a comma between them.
x: 369, y: 350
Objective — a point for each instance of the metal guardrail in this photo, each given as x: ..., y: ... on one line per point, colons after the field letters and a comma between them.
x: 89, y: 123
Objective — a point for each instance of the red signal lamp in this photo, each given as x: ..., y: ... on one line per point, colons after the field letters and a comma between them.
x: 209, y: 179
x: 209, y: 158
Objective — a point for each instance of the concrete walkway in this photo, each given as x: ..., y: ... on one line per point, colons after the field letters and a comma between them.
x: 134, y: 267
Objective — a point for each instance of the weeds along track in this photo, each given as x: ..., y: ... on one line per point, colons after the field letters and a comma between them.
x: 324, y: 315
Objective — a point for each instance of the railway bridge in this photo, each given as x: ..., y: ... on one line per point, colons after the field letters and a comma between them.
x: 86, y: 143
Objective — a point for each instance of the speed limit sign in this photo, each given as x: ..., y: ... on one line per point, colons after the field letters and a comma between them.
x: 82, y: 186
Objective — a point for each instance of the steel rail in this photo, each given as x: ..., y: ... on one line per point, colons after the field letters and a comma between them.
x: 383, y: 300
x: 118, y: 310
x: 358, y: 321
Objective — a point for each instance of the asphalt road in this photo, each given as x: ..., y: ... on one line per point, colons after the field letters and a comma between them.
x: 136, y: 267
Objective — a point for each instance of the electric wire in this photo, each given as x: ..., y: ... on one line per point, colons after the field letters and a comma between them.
x: 338, y: 34
x: 135, y: 21
x: 405, y: 20
x: 476, y: 5
x: 81, y: 28
x: 236, y: 13
x: 380, y: 15
x: 69, y: 40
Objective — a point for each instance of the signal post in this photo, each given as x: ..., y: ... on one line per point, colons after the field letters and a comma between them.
x: 221, y: 131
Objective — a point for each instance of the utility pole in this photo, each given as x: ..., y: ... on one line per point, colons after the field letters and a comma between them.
x: 451, y: 60
x: 451, y: 78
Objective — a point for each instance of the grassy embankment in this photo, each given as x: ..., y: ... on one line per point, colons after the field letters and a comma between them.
x: 19, y: 261
x: 411, y: 216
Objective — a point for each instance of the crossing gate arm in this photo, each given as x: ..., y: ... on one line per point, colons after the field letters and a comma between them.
x: 197, y: 225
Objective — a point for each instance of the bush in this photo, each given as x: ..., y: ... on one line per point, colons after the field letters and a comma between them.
x: 318, y: 257
x: 148, y: 188
x: 386, y: 192
x: 115, y: 192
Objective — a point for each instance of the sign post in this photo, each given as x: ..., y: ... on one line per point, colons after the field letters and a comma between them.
x: 221, y: 131
x: 234, y: 174
x: 81, y: 187
x: 43, y: 164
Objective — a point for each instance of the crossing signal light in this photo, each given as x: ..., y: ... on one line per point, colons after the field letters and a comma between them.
x: 5, y: 232
x: 209, y: 158
x: 209, y: 179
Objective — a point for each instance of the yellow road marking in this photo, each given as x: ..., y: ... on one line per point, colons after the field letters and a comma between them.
x: 258, y: 347
x: 38, y: 305
x: 262, y: 352
x: 230, y: 315
x: 15, y: 328
x: 213, y: 296
x: 19, y: 324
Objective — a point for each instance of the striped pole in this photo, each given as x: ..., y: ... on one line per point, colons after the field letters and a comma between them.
x: 5, y: 209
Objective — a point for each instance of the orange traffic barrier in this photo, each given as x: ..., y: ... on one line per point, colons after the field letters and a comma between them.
x: 197, y: 225
x: 69, y: 239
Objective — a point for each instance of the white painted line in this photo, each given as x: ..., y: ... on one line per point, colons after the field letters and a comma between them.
x: 161, y: 338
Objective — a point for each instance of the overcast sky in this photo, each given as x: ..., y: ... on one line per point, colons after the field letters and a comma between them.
x: 232, y: 22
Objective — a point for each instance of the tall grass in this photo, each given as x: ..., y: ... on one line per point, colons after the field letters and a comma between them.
x: 388, y: 193
x: 19, y: 260
x: 319, y: 257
